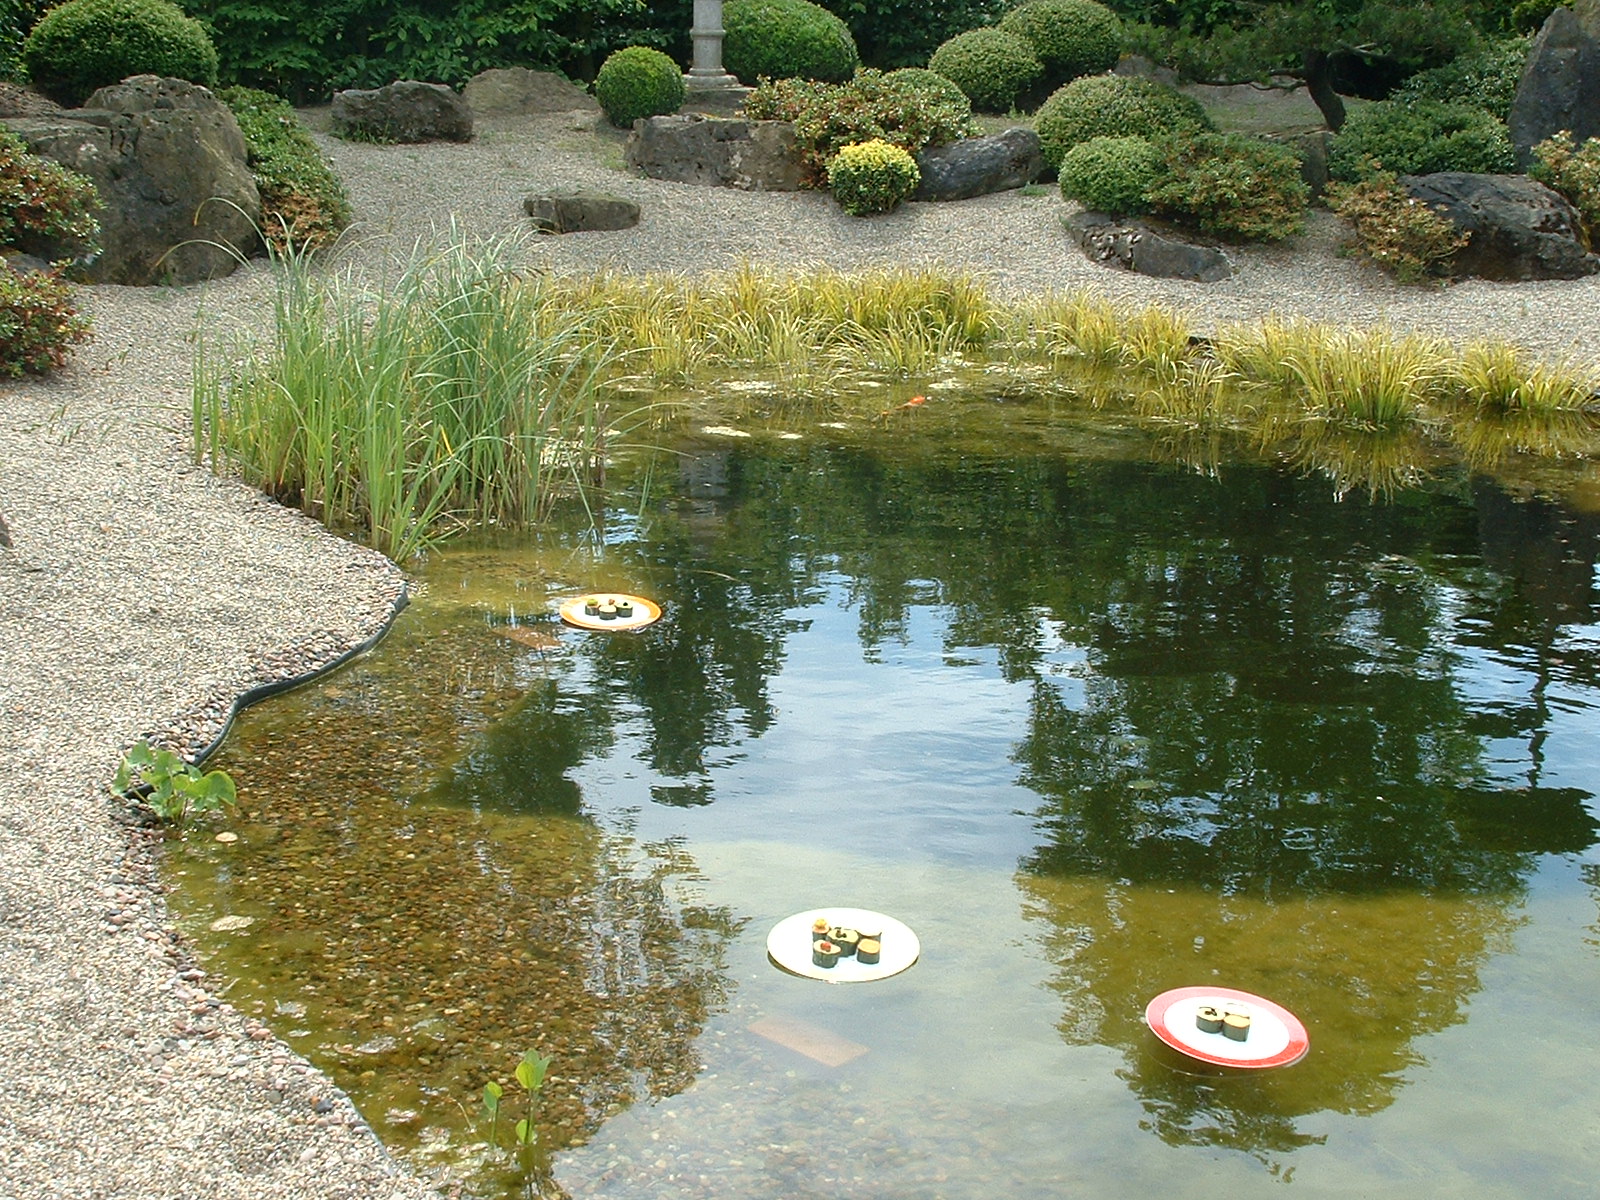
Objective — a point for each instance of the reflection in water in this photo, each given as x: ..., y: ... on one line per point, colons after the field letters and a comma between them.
x: 1334, y: 963
x: 1230, y: 728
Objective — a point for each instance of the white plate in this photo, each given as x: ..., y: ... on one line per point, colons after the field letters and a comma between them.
x: 789, y: 944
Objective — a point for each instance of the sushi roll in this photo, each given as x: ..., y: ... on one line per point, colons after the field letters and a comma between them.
x: 1208, y: 1019
x: 824, y: 953
x: 845, y: 939
x: 591, y: 605
x: 624, y: 608
x: 819, y: 929
x: 608, y: 611
x: 1235, y: 1025
x: 868, y: 951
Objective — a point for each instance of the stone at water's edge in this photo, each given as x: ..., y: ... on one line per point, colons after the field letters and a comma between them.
x: 520, y: 92
x: 579, y: 212
x: 1560, y: 86
x: 1519, y: 229
x: 980, y: 165
x: 1135, y: 247
x: 407, y: 111
x: 760, y: 156
x: 168, y: 161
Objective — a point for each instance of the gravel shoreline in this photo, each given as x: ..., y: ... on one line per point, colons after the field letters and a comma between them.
x: 143, y: 596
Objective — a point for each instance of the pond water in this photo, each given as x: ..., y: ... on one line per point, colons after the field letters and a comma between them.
x: 1093, y: 725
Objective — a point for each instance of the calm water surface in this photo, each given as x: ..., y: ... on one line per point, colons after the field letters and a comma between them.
x: 1093, y: 726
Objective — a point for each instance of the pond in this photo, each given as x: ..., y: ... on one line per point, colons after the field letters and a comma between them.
x: 1094, y: 725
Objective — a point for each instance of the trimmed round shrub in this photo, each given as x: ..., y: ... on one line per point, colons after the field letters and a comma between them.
x: 1071, y: 37
x: 87, y: 44
x: 1231, y: 185
x: 872, y: 177
x: 1485, y: 79
x: 1111, y: 174
x: 991, y: 66
x: 638, y: 82
x: 786, y: 39
x: 1113, y: 106
x: 931, y: 84
x: 1419, y: 139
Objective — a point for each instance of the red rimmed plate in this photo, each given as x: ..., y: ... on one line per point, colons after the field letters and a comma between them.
x: 1276, y: 1039
x: 645, y: 612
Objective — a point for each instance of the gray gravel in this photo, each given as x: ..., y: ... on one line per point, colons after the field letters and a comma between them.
x: 142, y: 595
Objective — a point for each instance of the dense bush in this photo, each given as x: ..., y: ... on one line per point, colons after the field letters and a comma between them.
x: 1575, y: 173
x: 37, y: 322
x: 303, y: 203
x: 1419, y: 139
x: 1113, y: 106
x: 872, y: 177
x: 933, y: 84
x: 41, y: 199
x: 1485, y: 79
x: 638, y: 82
x: 897, y: 108
x: 306, y: 49
x: 993, y: 67
x: 87, y: 44
x: 892, y: 33
x: 1071, y: 37
x: 783, y: 39
x: 1398, y: 232
x: 1111, y: 174
x: 1231, y: 185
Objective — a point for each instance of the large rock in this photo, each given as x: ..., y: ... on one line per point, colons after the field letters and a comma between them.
x: 407, y: 111
x: 1560, y: 86
x: 168, y: 161
x: 519, y: 92
x: 1519, y: 228
x: 580, y: 212
x: 980, y: 165
x: 1136, y: 247
x: 758, y: 156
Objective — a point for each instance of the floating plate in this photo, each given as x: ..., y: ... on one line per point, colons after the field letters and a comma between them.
x: 789, y: 945
x: 1276, y: 1036
x: 645, y: 612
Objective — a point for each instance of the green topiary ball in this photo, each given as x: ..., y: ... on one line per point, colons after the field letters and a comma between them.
x: 872, y: 177
x: 83, y: 45
x: 1111, y: 174
x: 1419, y: 138
x: 930, y: 84
x: 991, y: 66
x: 786, y: 39
x: 638, y: 82
x: 1071, y: 37
x: 1112, y: 106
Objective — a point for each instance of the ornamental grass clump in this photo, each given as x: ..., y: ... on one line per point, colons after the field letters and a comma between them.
x: 1498, y: 378
x: 994, y: 67
x: 1369, y: 379
x: 872, y: 177
x: 638, y: 82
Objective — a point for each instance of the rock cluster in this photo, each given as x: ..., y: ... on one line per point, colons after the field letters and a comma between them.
x: 407, y: 111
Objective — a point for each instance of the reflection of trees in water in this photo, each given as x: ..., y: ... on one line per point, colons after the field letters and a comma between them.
x: 431, y: 944
x: 1368, y: 975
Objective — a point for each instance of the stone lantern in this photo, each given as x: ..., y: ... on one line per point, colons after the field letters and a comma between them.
x: 706, y: 74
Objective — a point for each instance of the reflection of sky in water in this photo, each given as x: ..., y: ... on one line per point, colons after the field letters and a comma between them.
x: 1328, y: 756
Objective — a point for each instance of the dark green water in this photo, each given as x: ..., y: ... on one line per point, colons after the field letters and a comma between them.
x: 1094, y: 726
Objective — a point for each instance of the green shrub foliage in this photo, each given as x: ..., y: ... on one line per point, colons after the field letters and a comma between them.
x: 45, y: 206
x: 37, y: 322
x: 1113, y: 106
x: 1394, y: 229
x: 872, y: 177
x: 1574, y: 171
x: 897, y: 108
x: 1485, y: 79
x: 1071, y: 37
x: 784, y: 39
x: 638, y: 82
x: 303, y: 203
x: 994, y: 68
x: 1231, y: 185
x: 1111, y: 174
x: 932, y: 84
x: 893, y: 33
x: 87, y: 44
x: 1419, y: 139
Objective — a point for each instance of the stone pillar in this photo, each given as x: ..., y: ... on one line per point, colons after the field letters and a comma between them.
x: 707, y: 72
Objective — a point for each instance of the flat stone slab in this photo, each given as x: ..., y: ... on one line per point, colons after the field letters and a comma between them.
x: 520, y: 92
x: 1138, y: 248
x: 580, y: 212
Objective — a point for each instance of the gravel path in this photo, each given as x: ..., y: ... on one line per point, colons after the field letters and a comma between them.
x: 142, y: 595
